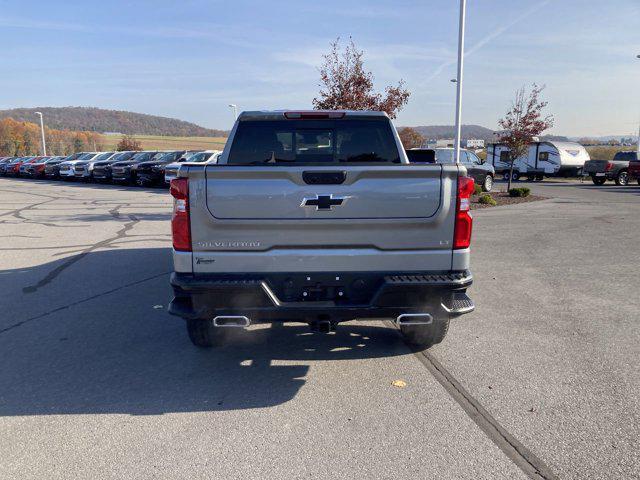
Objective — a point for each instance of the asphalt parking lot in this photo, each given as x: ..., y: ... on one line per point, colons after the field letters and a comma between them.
x: 98, y: 381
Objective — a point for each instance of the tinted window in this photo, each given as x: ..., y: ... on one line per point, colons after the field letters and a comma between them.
x: 625, y: 156
x: 143, y: 157
x: 473, y: 158
x: 543, y: 156
x: 123, y: 156
x: 314, y: 142
x: 444, y: 156
x: 199, y: 157
x: 504, y: 156
x: 102, y: 156
x: 421, y: 156
x: 169, y: 156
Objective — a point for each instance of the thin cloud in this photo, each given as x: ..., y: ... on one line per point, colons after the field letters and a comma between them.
x: 208, y: 31
x: 492, y: 36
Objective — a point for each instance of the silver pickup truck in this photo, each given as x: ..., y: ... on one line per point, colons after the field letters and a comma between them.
x: 318, y: 217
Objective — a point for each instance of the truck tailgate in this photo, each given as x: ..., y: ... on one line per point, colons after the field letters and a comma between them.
x: 252, y: 218
x: 595, y: 166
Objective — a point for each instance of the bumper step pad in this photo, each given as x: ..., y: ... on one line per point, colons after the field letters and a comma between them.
x: 460, y: 304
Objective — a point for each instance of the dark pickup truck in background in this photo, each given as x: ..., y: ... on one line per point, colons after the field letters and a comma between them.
x: 617, y: 169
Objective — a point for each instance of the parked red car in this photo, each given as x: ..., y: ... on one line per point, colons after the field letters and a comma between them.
x: 23, y: 165
x: 13, y: 168
x: 634, y: 170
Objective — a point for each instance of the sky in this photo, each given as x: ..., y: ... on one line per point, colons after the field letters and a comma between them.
x: 190, y: 59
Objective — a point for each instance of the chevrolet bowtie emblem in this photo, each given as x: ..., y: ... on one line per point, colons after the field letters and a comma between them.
x: 323, y: 202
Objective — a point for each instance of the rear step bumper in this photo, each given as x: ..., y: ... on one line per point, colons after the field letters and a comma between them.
x: 343, y: 297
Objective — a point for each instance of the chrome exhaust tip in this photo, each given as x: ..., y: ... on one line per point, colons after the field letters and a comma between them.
x: 414, y: 319
x: 231, y: 321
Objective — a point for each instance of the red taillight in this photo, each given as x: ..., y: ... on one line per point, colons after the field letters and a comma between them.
x: 464, y: 221
x: 311, y: 115
x: 180, y: 228
x: 609, y: 166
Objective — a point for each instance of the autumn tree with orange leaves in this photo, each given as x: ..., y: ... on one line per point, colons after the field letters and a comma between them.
x: 345, y: 85
x: 410, y: 137
x: 23, y: 139
x: 522, y: 123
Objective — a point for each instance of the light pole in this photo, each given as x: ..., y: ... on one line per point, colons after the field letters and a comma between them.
x: 234, y: 107
x: 44, y: 145
x: 463, y: 7
x: 638, y: 144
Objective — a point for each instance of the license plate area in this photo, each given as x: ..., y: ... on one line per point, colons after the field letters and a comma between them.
x: 342, y: 289
x: 600, y: 174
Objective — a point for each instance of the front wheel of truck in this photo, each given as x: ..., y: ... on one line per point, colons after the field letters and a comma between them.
x: 622, y: 178
x: 425, y: 336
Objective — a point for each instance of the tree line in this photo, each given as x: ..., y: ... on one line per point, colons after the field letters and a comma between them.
x: 24, y: 138
x: 115, y: 121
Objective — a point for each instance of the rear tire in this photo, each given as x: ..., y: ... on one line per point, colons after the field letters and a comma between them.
x: 622, y: 178
x: 598, y: 180
x: 515, y: 176
x: 487, y: 185
x: 539, y: 178
x: 202, y: 333
x: 425, y: 336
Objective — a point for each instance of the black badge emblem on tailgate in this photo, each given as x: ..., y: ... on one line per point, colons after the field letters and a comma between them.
x: 323, y: 202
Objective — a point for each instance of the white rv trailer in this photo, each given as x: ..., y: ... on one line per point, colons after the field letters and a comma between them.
x: 544, y: 159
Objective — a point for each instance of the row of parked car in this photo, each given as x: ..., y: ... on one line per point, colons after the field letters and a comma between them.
x: 146, y: 168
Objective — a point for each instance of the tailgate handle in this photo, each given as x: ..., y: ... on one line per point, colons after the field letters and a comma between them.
x: 324, y: 178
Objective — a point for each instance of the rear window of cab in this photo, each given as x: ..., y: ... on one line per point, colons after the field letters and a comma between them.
x: 313, y: 142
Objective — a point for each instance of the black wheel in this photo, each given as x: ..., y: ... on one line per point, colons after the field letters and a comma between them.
x: 505, y: 176
x: 598, y: 180
x: 202, y: 333
x: 487, y: 185
x: 539, y: 178
x: 515, y: 176
x: 425, y: 336
x: 622, y: 178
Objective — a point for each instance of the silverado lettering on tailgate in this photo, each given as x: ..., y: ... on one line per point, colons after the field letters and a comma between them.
x: 232, y: 244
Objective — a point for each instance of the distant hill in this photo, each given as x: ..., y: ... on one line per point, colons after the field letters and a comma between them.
x: 554, y: 138
x: 100, y: 120
x: 437, y: 132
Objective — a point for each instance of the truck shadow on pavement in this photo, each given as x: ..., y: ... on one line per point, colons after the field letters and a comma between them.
x: 119, y: 352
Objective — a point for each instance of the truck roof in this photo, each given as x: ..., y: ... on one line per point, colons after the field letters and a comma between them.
x: 318, y: 114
